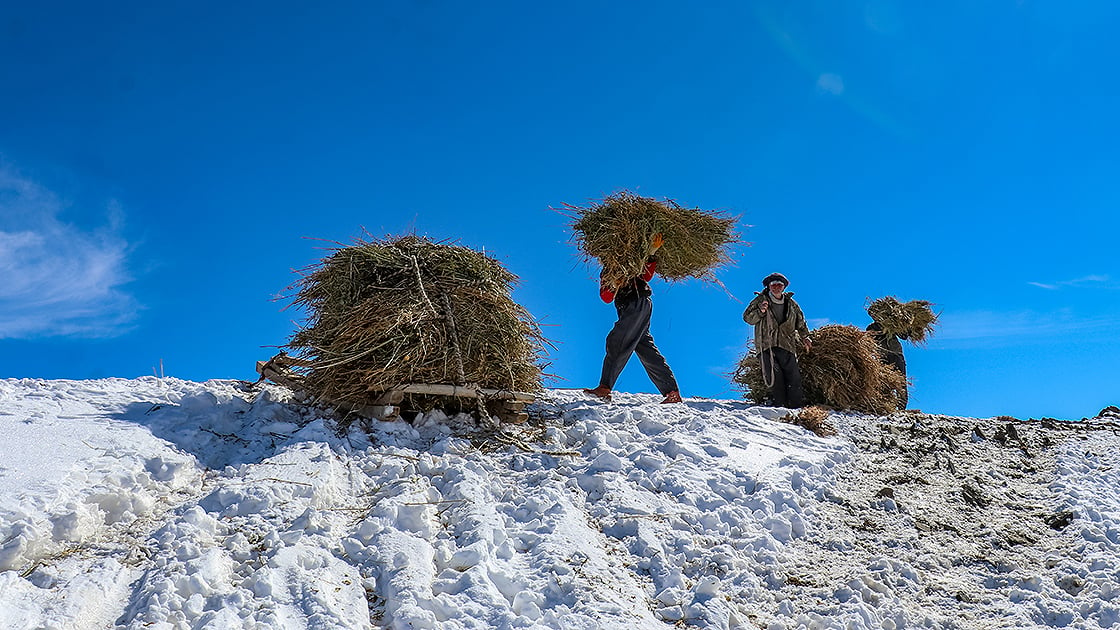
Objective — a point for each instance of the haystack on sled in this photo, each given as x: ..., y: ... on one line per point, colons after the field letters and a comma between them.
x: 913, y: 321
x: 842, y: 371
x: 411, y: 324
x: 618, y: 232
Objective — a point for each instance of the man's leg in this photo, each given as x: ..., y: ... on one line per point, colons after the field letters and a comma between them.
x: 656, y: 366
x: 899, y: 363
x: 787, y: 365
x: 633, y: 322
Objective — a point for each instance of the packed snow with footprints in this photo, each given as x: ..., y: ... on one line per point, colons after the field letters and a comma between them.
x: 162, y: 503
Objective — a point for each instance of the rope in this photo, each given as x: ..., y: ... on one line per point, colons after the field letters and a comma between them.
x: 484, y: 417
x: 772, y: 334
x: 769, y: 382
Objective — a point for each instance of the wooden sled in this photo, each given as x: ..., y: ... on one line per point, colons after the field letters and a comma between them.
x: 508, y: 406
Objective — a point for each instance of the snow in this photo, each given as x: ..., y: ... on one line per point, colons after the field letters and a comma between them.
x: 161, y: 503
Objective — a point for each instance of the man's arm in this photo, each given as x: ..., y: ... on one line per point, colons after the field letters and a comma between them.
x: 651, y: 262
x: 753, y: 314
x: 803, y: 328
x: 606, y: 291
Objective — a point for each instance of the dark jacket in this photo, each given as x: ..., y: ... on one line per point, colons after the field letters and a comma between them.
x: 790, y: 333
x: 889, y: 346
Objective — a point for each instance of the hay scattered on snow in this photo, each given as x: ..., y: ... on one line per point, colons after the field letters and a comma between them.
x: 813, y: 418
x: 389, y: 312
x: 842, y: 371
x: 914, y: 320
x: 618, y: 232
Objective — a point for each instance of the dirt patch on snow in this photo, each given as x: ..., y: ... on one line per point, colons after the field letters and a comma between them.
x: 951, y: 521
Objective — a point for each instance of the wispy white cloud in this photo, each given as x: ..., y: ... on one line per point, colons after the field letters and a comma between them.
x: 831, y: 83
x: 1090, y: 281
x: 58, y: 279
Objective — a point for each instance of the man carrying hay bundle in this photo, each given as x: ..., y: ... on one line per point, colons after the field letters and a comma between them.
x: 631, y: 334
x: 620, y: 233
x: 890, y: 351
x: 893, y: 321
x: 779, y: 331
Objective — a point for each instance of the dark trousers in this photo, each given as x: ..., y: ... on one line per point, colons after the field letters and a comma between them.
x: 631, y: 335
x: 898, y: 362
x: 786, y: 389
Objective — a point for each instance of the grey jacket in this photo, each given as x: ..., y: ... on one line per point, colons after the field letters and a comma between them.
x: 789, y: 334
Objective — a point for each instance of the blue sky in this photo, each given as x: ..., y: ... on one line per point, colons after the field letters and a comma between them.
x: 165, y: 166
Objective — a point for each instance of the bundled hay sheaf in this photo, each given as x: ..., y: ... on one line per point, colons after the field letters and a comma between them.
x: 914, y: 320
x: 619, y: 230
x: 408, y: 310
x: 748, y: 378
x: 842, y: 371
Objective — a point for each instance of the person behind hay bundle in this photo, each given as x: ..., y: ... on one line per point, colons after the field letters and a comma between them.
x: 779, y: 325
x: 890, y: 352
x: 631, y: 335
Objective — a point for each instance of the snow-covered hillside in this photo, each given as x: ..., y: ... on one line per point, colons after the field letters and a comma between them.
x: 160, y: 503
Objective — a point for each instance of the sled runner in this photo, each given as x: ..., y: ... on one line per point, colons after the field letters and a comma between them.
x: 388, y: 402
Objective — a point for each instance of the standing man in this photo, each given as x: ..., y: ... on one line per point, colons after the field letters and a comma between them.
x: 890, y: 352
x: 631, y: 334
x: 779, y: 331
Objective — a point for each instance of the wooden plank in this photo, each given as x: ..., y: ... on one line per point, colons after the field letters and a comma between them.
x: 289, y: 360
x: 386, y: 406
x: 439, y: 390
x: 269, y: 371
x: 505, y: 394
x: 466, y: 391
x: 276, y: 370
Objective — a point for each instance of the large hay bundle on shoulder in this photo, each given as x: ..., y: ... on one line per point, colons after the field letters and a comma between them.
x: 914, y: 320
x: 842, y: 371
x: 618, y: 232
x: 397, y: 311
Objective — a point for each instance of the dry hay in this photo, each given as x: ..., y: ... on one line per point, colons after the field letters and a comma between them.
x: 814, y: 418
x: 842, y: 371
x: 396, y: 311
x: 618, y: 232
x: 748, y: 378
x: 914, y: 320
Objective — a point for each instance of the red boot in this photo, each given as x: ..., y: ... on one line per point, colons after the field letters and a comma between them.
x: 672, y: 397
x: 600, y: 392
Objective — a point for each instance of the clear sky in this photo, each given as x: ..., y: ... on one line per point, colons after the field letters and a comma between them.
x: 165, y: 166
